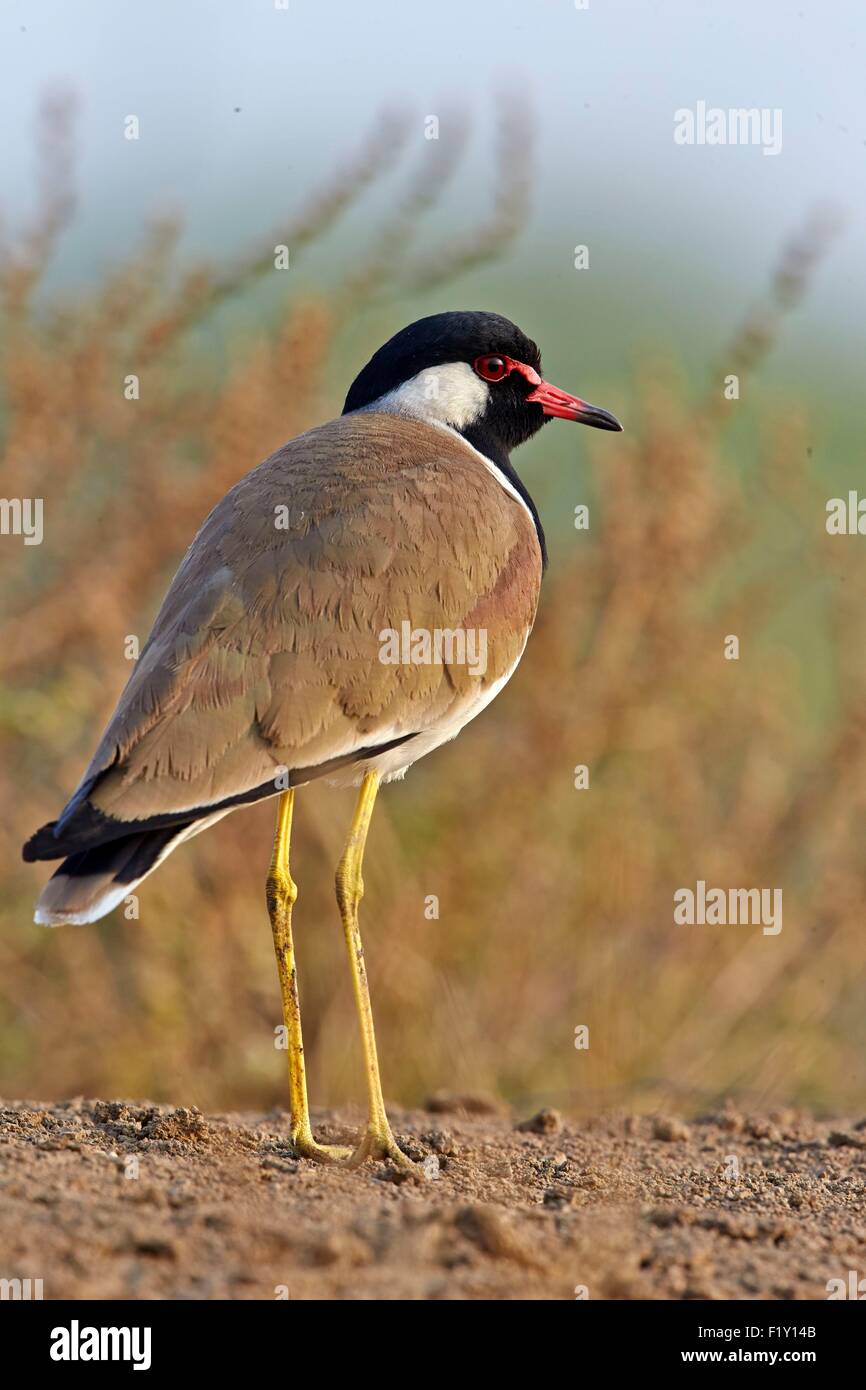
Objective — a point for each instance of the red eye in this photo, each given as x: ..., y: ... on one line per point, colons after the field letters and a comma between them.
x: 492, y: 368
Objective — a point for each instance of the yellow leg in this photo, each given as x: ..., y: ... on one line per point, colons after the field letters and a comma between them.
x: 378, y: 1141
x: 282, y: 894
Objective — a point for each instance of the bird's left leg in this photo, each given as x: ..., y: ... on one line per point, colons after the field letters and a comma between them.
x: 282, y: 894
x: 378, y: 1140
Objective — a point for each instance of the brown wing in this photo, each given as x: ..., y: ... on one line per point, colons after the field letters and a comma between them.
x: 266, y: 651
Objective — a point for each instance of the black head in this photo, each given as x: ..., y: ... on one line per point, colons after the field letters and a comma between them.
x: 475, y: 372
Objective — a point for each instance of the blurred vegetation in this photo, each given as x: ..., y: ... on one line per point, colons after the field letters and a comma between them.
x: 555, y: 905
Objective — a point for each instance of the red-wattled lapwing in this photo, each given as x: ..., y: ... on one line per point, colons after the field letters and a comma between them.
x: 348, y: 606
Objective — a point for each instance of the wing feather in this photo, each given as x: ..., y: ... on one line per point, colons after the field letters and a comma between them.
x: 265, y: 652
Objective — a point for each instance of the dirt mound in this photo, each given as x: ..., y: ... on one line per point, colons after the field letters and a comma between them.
x: 123, y: 1199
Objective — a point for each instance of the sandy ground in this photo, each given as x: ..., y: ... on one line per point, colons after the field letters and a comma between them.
x: 117, y: 1199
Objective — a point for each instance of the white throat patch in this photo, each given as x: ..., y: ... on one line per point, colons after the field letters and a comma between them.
x: 451, y: 394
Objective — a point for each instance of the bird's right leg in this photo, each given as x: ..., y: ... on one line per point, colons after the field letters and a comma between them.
x: 378, y: 1140
x: 282, y: 894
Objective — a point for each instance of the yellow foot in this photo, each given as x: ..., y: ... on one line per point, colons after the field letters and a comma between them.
x: 380, y: 1143
x: 305, y: 1146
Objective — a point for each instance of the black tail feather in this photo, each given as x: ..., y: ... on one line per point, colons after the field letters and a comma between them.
x: 90, y: 883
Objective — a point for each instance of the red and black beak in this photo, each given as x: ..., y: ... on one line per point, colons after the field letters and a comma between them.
x: 494, y: 367
x: 566, y: 407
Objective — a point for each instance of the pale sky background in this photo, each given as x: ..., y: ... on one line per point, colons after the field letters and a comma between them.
x: 681, y: 238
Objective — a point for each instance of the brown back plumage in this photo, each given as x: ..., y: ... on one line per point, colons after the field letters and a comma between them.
x: 265, y: 652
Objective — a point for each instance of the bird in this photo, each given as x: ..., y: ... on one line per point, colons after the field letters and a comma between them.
x: 349, y: 605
